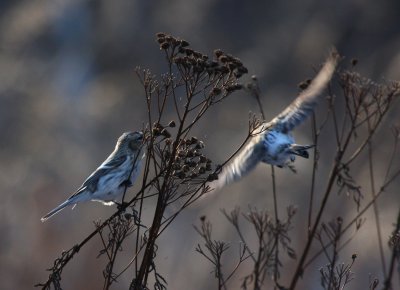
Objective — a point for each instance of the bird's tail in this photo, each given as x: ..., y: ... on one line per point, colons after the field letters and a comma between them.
x: 58, y: 208
x: 300, y: 150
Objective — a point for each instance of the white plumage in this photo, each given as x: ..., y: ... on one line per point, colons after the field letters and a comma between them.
x: 110, y: 179
x: 273, y: 142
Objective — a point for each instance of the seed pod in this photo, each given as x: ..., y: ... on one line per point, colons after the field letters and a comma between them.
x: 171, y: 124
x: 184, y: 43
x: 223, y: 58
x: 156, y: 132
x: 212, y: 177
x: 164, y: 45
x: 218, y: 52
x: 200, y: 145
x: 202, y: 170
x: 216, y: 91
x: 203, y: 159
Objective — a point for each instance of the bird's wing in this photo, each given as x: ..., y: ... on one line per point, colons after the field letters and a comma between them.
x: 304, y: 104
x: 106, y: 167
x: 242, y: 164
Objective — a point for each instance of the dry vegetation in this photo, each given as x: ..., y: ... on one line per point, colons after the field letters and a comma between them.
x: 177, y: 172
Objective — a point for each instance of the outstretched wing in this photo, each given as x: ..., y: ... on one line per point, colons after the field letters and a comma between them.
x: 242, y: 164
x: 304, y: 104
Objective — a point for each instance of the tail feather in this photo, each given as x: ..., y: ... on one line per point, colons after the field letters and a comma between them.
x: 300, y: 150
x: 58, y: 209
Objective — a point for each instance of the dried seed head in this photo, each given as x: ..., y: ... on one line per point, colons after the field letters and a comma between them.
x: 192, y: 163
x: 185, y: 168
x: 208, y: 167
x: 218, y: 52
x: 216, y: 91
x: 194, y: 140
x: 202, y: 170
x: 200, y: 145
x: 303, y: 85
x: 189, y: 51
x: 164, y: 45
x: 156, y: 132
x: 160, y: 34
x: 354, y: 61
x: 171, y: 124
x: 168, y: 141
x: 157, y: 125
x: 203, y: 159
x: 161, y: 40
x: 223, y: 58
x: 190, y: 153
x: 203, y: 218
x: 212, y: 177
x: 354, y: 256
x: 243, y: 70
x: 180, y: 174
x: 184, y: 43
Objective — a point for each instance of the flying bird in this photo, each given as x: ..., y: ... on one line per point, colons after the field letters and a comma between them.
x: 272, y: 142
x: 110, y: 179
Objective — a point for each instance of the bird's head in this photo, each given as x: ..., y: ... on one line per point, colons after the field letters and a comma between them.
x: 131, y: 140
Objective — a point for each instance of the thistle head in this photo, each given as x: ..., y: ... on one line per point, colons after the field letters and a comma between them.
x: 130, y: 141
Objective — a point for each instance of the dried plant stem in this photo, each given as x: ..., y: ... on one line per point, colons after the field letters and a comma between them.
x: 395, y: 255
x: 375, y: 206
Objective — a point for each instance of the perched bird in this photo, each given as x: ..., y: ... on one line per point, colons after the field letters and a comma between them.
x: 272, y: 142
x: 109, y: 180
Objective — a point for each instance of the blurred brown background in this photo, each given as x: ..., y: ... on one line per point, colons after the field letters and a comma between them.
x: 68, y: 90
